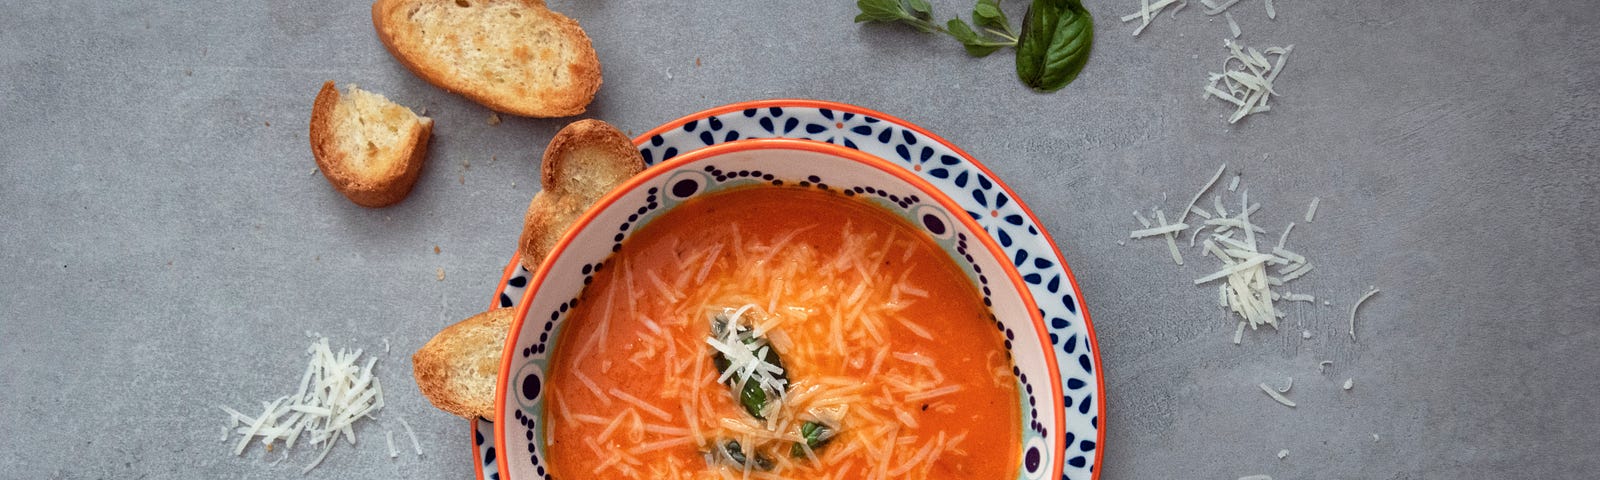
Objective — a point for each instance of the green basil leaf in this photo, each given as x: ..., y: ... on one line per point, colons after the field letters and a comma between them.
x: 987, y: 13
x: 976, y: 44
x: 921, y: 8
x: 880, y: 11
x: 1054, y: 45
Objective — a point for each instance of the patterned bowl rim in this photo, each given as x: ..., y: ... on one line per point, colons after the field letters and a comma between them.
x: 518, y: 319
x: 1083, y: 309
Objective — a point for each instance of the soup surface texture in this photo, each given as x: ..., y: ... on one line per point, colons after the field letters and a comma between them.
x: 776, y: 333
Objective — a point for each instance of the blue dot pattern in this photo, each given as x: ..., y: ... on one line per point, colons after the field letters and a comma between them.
x: 985, y: 202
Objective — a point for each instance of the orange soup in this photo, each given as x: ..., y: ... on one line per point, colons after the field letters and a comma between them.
x: 777, y: 333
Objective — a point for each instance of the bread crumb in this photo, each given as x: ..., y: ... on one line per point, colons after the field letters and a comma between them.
x: 422, y: 111
x: 696, y: 61
x: 268, y: 123
x: 441, y: 274
x: 1282, y: 454
x: 1349, y: 383
x: 188, y: 72
x: 1374, y: 438
x: 435, y: 249
x: 463, y: 179
x: 494, y: 118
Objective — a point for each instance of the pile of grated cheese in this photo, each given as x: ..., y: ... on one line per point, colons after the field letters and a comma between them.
x: 336, y: 391
x: 1254, y: 271
x: 1152, y: 9
x: 1246, y: 78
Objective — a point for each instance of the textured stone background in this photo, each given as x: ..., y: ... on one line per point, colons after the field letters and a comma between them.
x: 166, y: 241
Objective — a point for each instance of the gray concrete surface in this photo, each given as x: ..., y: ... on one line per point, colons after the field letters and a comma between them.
x: 166, y: 241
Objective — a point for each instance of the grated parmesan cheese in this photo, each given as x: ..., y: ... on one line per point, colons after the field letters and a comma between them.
x: 1162, y: 230
x: 1247, y: 76
x: 1311, y: 211
x: 1282, y: 454
x: 1232, y: 25
x: 1148, y: 12
x: 1202, y: 191
x: 1272, y: 13
x: 1354, y: 308
x: 335, y: 392
x: 1349, y: 383
x: 1172, y: 245
x: 1276, y: 396
x: 409, y: 433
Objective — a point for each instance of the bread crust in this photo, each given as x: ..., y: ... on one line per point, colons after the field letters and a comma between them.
x: 371, y: 188
x: 446, y: 355
x: 562, y: 200
x: 390, y: 16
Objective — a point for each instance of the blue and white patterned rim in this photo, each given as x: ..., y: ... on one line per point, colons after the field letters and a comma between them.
x: 984, y: 198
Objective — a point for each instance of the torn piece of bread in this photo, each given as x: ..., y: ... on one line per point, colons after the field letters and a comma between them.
x: 584, y: 161
x: 457, y: 369
x: 513, y: 56
x: 370, y: 149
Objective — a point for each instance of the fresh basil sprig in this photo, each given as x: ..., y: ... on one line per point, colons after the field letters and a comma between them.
x: 1052, y: 47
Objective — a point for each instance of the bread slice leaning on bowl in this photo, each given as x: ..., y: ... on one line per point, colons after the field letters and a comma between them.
x: 584, y: 161
x: 458, y: 368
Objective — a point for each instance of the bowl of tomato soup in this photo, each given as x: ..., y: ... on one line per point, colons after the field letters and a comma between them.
x: 778, y: 309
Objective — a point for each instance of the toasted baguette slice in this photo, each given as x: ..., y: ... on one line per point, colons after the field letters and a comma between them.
x: 584, y: 161
x: 370, y: 149
x: 457, y: 369
x: 513, y: 56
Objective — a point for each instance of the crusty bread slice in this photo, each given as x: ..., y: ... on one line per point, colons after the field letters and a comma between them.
x: 457, y: 369
x: 370, y: 149
x: 584, y: 161
x: 513, y: 56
